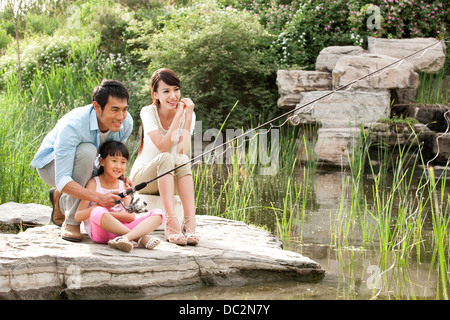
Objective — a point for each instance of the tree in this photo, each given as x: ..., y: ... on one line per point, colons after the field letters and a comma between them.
x: 19, y: 8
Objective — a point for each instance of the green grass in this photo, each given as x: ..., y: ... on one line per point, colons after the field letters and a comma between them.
x: 29, y: 115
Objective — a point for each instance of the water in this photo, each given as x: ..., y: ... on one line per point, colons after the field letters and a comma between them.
x: 352, y: 272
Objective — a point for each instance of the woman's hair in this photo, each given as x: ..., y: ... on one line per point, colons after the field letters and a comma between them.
x: 112, y: 148
x: 167, y: 76
x: 109, y: 88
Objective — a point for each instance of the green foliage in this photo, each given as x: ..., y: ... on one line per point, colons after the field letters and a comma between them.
x: 218, y: 54
x: 5, y: 38
x: 303, y: 28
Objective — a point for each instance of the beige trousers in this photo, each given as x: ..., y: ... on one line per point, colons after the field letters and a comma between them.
x: 161, y: 164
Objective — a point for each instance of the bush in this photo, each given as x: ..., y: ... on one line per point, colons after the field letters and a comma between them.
x: 317, y: 24
x: 401, y: 18
x: 5, y: 39
x: 218, y: 55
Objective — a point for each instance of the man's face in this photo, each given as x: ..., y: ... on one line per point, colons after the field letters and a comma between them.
x: 113, y: 114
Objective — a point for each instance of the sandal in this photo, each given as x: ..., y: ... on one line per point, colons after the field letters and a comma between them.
x: 176, y: 238
x: 122, y: 243
x: 192, y: 237
x: 152, y: 242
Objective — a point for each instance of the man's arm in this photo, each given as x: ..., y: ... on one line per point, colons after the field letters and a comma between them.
x: 65, y: 150
x: 74, y: 189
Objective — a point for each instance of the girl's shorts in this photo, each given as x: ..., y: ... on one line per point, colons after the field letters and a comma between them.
x: 101, y: 236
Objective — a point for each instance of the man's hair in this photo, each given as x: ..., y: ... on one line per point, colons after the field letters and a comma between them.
x: 109, y: 88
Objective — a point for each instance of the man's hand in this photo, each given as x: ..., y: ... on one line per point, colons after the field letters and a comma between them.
x: 107, y: 200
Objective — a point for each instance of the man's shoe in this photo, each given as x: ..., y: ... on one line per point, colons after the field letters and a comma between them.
x: 70, y: 232
x: 57, y: 215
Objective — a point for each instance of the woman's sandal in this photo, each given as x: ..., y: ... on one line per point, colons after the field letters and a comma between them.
x: 152, y: 242
x: 192, y: 237
x: 175, y: 238
x: 122, y: 243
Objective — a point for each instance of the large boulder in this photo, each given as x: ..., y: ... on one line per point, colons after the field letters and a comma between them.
x: 429, y: 60
x: 350, y: 68
x: 291, y: 83
x: 24, y: 215
x: 328, y: 57
x: 38, y: 264
x: 334, y: 146
x: 343, y: 109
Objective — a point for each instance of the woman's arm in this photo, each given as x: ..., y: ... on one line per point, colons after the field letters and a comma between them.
x: 165, y: 143
x: 184, y: 143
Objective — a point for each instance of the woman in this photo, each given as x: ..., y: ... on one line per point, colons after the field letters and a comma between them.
x: 167, y: 127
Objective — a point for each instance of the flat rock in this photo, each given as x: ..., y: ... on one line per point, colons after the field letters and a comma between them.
x: 38, y: 264
x: 397, y: 76
x: 343, y: 109
x: 291, y: 83
x: 327, y: 58
x: 29, y: 214
x: 334, y: 146
x: 430, y: 60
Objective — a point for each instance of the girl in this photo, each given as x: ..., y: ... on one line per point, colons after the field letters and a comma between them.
x: 167, y: 127
x: 116, y: 226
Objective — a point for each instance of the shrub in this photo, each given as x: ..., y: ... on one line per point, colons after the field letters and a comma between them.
x: 320, y: 23
x: 217, y: 54
x: 401, y: 18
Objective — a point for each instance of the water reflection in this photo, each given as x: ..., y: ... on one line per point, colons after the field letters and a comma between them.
x: 353, y: 267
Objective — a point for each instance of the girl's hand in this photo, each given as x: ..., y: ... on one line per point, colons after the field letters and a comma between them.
x: 127, y: 182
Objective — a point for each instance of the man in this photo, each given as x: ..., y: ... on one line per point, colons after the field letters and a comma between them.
x: 65, y: 160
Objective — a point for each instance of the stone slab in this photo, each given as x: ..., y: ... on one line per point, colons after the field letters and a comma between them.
x: 344, y: 109
x: 38, y: 264
x: 29, y: 214
x: 334, y: 146
x: 397, y: 76
x: 429, y: 60
x: 327, y: 58
x: 291, y: 83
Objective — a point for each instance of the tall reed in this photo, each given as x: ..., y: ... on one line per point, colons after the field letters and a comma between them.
x: 28, y: 115
x: 391, y: 220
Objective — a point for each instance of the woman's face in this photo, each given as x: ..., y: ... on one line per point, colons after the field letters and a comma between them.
x: 167, y: 95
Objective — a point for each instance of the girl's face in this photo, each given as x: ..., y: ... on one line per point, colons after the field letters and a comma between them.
x: 167, y: 95
x: 114, y: 166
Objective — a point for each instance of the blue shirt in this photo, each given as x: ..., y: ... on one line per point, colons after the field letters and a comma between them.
x: 80, y: 125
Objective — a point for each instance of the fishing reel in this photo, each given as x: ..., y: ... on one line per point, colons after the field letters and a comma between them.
x: 137, y: 206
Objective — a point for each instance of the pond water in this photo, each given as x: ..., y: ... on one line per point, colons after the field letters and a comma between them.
x: 352, y: 270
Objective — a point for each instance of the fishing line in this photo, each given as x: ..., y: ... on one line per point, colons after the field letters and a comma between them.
x: 330, y: 93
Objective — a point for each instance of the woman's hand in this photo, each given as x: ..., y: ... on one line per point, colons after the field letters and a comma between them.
x: 189, y: 105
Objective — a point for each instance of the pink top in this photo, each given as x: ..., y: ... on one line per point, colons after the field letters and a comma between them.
x: 117, y: 208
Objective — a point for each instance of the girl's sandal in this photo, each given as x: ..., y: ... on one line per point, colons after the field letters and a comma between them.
x: 121, y: 243
x: 176, y: 238
x: 192, y: 237
x: 152, y: 242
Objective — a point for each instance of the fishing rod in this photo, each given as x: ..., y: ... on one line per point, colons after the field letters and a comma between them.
x: 144, y: 184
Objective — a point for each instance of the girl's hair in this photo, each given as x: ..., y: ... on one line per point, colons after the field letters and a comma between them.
x: 169, y: 77
x: 112, y: 148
